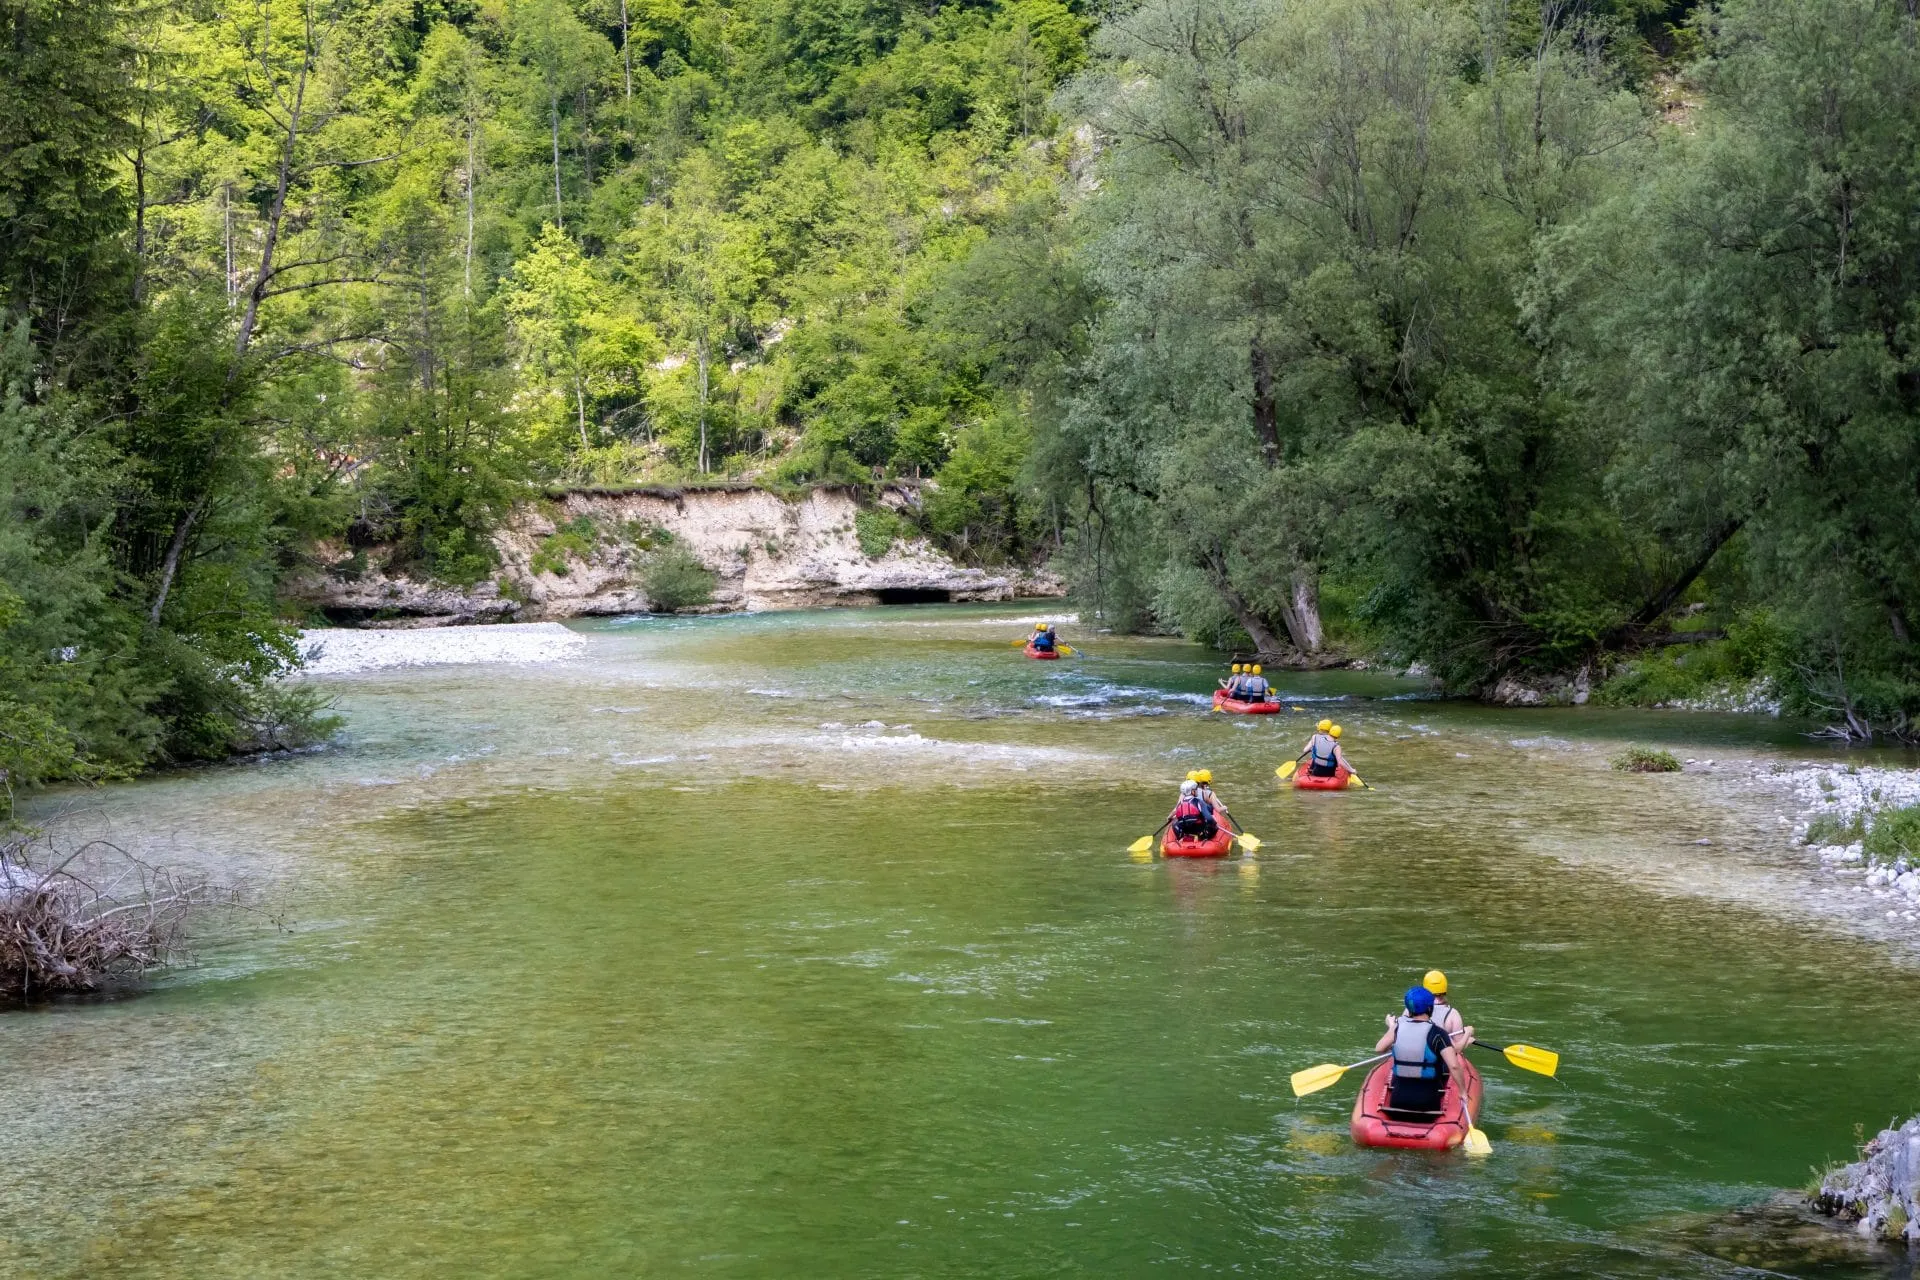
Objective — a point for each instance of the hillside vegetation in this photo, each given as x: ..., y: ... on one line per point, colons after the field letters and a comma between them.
x: 1509, y: 339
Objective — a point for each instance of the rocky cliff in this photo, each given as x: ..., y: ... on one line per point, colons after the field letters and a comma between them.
x: 586, y: 551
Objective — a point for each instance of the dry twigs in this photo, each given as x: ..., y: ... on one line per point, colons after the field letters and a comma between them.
x: 74, y: 921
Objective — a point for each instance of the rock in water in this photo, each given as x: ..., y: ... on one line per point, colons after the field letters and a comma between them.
x: 1881, y: 1190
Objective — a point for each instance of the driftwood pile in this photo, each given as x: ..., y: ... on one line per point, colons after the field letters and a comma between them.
x: 80, y: 919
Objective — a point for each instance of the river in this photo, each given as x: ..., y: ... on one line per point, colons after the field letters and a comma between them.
x: 808, y: 944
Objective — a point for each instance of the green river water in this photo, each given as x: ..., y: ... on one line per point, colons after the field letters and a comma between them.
x: 809, y: 945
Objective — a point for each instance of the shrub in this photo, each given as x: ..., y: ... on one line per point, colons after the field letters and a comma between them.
x: 1892, y: 833
x: 1831, y: 828
x: 575, y: 539
x: 1646, y: 760
x: 675, y: 579
x: 876, y: 528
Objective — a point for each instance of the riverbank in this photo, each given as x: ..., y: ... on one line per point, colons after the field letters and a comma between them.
x: 1837, y: 806
x: 336, y: 651
x: 587, y: 552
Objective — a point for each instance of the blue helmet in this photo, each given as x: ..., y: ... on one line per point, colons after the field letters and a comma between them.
x: 1419, y: 1001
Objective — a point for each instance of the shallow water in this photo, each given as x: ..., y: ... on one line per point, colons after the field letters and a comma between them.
x: 807, y: 944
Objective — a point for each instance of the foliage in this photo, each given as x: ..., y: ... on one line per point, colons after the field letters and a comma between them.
x: 675, y: 579
x: 1891, y: 834
x: 1646, y: 760
x: 1831, y: 828
x: 1754, y: 648
x: 575, y: 540
x: 876, y: 528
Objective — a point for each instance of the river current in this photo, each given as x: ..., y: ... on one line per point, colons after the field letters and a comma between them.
x: 808, y: 944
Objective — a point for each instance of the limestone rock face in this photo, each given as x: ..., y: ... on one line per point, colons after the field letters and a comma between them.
x: 1880, y: 1191
x: 766, y: 551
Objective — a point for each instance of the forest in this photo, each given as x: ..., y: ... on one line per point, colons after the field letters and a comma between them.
x: 1518, y: 341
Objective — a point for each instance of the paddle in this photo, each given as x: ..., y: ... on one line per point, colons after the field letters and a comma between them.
x: 1314, y: 1079
x: 1145, y: 843
x: 1524, y: 1056
x: 1286, y: 770
x: 1477, y: 1144
x: 1060, y: 645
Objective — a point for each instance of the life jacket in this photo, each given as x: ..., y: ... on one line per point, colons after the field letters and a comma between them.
x: 1322, y: 752
x: 1413, y: 1057
x: 1192, y: 814
x: 1254, y: 690
x: 1042, y: 640
x: 1448, y: 1018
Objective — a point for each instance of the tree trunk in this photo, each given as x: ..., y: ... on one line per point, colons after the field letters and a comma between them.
x: 1266, y: 410
x: 701, y: 351
x: 472, y: 129
x: 553, y: 110
x: 1302, y: 613
x: 1250, y: 621
x: 626, y: 50
x: 175, y: 549
x: 276, y: 214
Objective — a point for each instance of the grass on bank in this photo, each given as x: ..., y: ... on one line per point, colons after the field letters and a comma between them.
x: 1886, y: 835
x: 1646, y: 760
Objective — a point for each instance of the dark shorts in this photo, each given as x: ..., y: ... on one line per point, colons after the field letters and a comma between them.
x: 1323, y: 770
x: 1416, y: 1095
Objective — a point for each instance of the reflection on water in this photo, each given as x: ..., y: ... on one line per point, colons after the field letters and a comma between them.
x: 809, y: 944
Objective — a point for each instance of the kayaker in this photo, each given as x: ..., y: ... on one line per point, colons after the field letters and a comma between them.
x: 1192, y: 817
x: 1423, y: 1055
x: 1323, y: 756
x: 1445, y: 1016
x: 1253, y: 685
x: 1044, y: 638
x: 1231, y: 685
x: 1203, y: 782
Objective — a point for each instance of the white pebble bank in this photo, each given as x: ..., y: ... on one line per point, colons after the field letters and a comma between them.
x: 341, y: 651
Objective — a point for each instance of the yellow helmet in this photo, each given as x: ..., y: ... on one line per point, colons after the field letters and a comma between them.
x: 1335, y: 731
x: 1324, y: 725
x: 1236, y: 668
x: 1256, y: 668
x: 1039, y: 626
x: 1435, y: 981
x: 1203, y: 775
x: 1193, y: 775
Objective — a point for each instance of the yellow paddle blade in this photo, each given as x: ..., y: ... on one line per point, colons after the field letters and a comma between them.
x: 1286, y: 770
x: 1528, y: 1058
x: 1314, y: 1079
x: 1353, y: 781
x: 1251, y: 843
x: 1477, y: 1144
x: 1068, y: 649
x: 1141, y: 845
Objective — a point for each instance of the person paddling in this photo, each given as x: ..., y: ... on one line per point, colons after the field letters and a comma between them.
x: 1423, y: 1055
x: 1323, y: 756
x: 1231, y: 685
x: 1192, y: 817
x: 1253, y: 685
x: 1044, y: 638
x: 1445, y: 1016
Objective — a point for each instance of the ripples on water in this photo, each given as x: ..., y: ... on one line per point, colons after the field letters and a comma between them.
x: 808, y: 945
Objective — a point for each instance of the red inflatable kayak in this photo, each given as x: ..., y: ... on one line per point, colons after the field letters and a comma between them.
x: 1221, y: 702
x: 1172, y: 846
x: 1374, y: 1126
x: 1304, y: 781
x: 1045, y: 655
